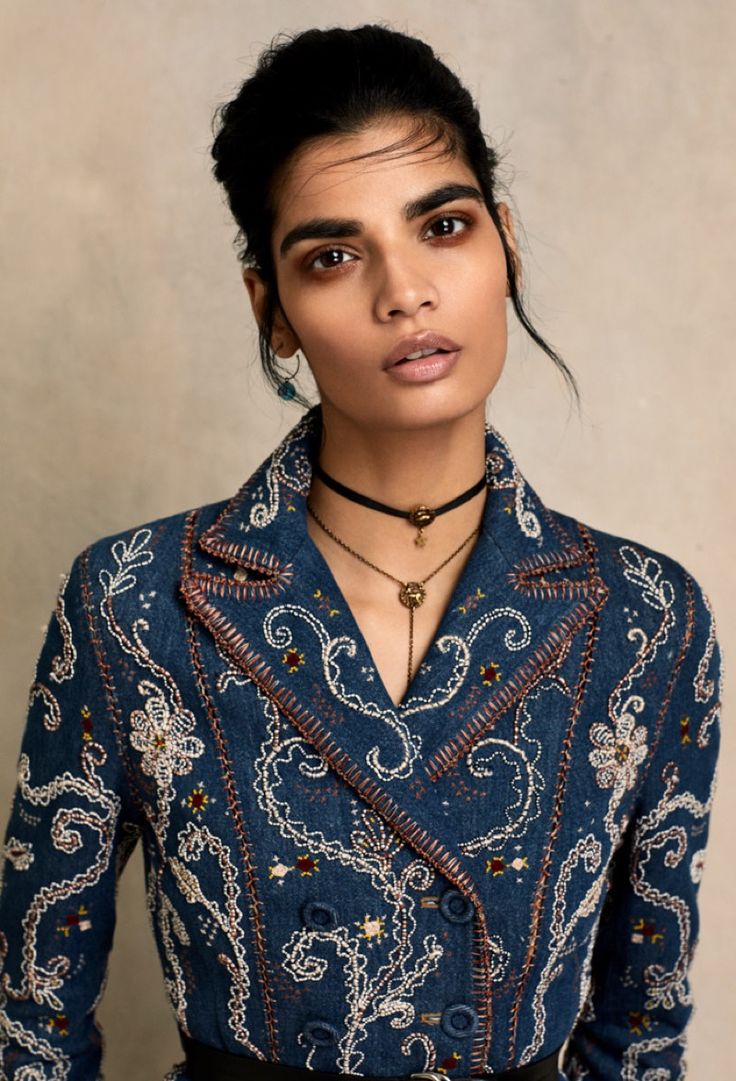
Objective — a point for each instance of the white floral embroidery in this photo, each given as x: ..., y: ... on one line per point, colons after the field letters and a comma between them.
x: 163, y: 737
x: 618, y: 753
x: 129, y: 557
x: 19, y: 854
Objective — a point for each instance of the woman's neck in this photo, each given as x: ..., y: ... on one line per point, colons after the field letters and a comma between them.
x: 401, y: 468
x: 404, y: 466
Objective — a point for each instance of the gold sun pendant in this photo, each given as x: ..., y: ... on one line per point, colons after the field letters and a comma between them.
x: 412, y: 594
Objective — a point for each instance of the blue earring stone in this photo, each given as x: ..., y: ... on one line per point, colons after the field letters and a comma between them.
x: 287, y: 390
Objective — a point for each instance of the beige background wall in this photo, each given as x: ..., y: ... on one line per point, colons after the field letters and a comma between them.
x: 130, y: 384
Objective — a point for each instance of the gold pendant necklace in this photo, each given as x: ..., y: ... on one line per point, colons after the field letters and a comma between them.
x: 412, y: 594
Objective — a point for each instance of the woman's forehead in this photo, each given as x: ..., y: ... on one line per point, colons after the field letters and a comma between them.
x: 387, y: 155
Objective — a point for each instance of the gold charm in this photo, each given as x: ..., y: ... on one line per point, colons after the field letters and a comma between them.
x: 420, y: 517
x: 412, y: 594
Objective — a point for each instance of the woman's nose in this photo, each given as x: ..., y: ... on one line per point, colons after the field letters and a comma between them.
x: 403, y: 289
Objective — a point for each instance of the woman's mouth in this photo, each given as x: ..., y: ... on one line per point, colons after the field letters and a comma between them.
x: 422, y: 353
x: 417, y: 347
x: 424, y: 365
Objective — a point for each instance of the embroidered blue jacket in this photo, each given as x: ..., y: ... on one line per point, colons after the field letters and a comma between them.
x: 508, y: 858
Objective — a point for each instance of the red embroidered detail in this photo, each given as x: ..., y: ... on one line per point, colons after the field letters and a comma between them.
x: 449, y: 1063
x: 58, y: 1024
x: 496, y: 865
x: 646, y: 931
x: 325, y: 604
x: 86, y: 723
x: 471, y: 601
x: 461, y: 788
x: 491, y: 673
x: 293, y: 660
x: 639, y: 1022
x: 417, y: 786
x: 306, y: 865
x: 75, y: 919
x: 197, y: 800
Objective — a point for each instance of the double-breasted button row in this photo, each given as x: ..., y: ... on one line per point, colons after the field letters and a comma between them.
x: 454, y: 906
x: 458, y: 1021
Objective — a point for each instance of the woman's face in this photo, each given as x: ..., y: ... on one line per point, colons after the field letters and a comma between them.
x: 384, y: 257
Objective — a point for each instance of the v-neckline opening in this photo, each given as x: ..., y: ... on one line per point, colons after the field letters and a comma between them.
x: 461, y: 587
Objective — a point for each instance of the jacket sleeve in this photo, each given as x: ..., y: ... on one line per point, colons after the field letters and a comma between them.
x: 72, y: 828
x: 639, y: 1003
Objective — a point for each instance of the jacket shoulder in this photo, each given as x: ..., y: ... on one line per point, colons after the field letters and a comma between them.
x: 624, y: 563
x: 158, y: 544
x: 651, y: 590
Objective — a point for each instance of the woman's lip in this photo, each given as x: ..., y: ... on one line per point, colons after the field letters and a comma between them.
x: 425, y: 369
x: 415, y: 343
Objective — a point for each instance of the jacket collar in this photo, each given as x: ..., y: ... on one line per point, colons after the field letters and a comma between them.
x: 268, y: 596
x: 263, y: 527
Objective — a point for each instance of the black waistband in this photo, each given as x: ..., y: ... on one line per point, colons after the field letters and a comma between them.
x: 205, y: 1063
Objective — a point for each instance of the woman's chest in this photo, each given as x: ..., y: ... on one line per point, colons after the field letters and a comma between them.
x: 445, y: 779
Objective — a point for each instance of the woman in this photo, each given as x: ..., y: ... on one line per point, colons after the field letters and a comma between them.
x: 422, y: 768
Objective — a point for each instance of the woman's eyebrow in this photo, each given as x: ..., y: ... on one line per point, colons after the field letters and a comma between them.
x: 319, y: 229
x: 439, y: 196
x: 334, y: 228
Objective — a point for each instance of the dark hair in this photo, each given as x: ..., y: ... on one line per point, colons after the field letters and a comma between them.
x: 334, y: 82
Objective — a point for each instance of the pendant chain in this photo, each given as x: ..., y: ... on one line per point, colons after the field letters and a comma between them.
x: 411, y: 594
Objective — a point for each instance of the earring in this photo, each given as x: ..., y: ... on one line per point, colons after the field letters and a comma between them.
x: 286, y: 388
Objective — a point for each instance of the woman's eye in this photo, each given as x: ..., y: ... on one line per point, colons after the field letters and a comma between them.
x: 448, y: 225
x: 330, y: 257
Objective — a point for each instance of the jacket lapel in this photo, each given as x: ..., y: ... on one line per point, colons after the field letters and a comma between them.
x: 262, y: 588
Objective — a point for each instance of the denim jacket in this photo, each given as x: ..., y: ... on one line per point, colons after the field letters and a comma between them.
x: 506, y: 862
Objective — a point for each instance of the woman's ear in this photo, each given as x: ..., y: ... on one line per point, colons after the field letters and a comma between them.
x: 284, y: 341
x: 508, y: 228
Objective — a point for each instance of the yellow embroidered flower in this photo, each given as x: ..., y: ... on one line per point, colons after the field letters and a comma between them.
x: 372, y: 928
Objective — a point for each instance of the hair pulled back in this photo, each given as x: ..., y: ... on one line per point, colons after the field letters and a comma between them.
x: 335, y: 82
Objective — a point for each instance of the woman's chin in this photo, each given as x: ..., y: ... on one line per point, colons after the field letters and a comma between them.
x: 396, y: 412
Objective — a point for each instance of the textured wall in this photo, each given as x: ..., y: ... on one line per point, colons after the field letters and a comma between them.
x: 129, y: 365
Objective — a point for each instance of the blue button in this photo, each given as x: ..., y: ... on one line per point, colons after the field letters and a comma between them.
x: 459, y: 1021
x: 455, y: 907
x: 320, y: 1033
x: 319, y: 916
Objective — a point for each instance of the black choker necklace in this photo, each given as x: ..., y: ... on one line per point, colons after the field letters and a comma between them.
x: 420, y: 516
